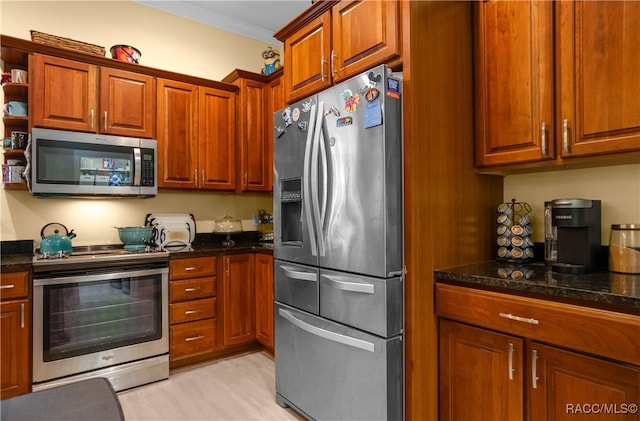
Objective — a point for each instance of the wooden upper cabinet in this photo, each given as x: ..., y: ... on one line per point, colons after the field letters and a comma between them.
x: 177, y: 134
x: 73, y: 95
x: 65, y: 94
x: 350, y: 37
x: 365, y: 33
x: 306, y: 60
x: 275, y: 101
x: 514, y: 81
x: 599, y: 77
x: 217, y: 139
x: 127, y: 103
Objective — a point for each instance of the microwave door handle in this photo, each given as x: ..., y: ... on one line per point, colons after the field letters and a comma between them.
x: 137, y: 167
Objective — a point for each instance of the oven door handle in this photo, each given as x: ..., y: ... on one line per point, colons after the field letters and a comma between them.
x: 98, y: 277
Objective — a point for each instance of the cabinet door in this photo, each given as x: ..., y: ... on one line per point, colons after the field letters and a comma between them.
x: 252, y: 139
x: 480, y: 374
x: 264, y: 299
x: 306, y: 62
x: 65, y: 94
x: 127, y: 103
x: 598, y: 77
x: 365, y: 33
x: 177, y: 132
x: 238, y: 299
x: 565, y: 386
x: 217, y: 139
x: 15, y: 337
x: 514, y: 81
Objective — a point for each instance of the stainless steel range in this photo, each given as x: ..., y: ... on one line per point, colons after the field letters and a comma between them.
x: 100, y: 312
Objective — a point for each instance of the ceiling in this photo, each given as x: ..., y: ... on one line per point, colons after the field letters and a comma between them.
x: 257, y: 19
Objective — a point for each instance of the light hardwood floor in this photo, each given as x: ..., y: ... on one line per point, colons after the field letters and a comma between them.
x: 241, y: 388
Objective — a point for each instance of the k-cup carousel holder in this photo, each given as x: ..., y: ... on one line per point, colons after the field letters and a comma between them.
x: 515, y: 230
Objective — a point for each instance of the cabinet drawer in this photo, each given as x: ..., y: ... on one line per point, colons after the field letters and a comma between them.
x: 190, y: 311
x: 189, y: 289
x: 189, y: 268
x: 191, y: 339
x: 14, y: 285
x: 600, y: 332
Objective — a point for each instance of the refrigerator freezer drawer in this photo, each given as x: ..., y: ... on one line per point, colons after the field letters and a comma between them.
x: 333, y: 372
x: 297, y: 285
x: 370, y: 304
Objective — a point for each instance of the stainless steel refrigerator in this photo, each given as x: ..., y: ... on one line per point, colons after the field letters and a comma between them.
x: 338, y: 248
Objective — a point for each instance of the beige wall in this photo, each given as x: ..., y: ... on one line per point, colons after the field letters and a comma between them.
x: 618, y: 187
x: 167, y: 42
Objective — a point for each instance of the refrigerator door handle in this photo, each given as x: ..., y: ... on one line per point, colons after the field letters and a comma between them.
x: 349, y: 286
x: 327, y: 334
x: 307, y: 192
x: 325, y: 174
x: 301, y: 276
x: 315, y: 199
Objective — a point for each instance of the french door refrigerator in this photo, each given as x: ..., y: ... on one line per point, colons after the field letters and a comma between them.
x: 338, y: 248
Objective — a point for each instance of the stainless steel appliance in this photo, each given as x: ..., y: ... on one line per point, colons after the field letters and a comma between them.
x: 100, y: 312
x: 577, y: 223
x: 64, y: 163
x: 338, y: 245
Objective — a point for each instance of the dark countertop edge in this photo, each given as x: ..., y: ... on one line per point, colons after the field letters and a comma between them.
x: 576, y: 296
x: 216, y: 249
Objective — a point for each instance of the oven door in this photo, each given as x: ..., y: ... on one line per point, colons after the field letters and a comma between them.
x: 89, y: 321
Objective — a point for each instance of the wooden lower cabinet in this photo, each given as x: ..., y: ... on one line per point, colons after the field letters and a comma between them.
x: 476, y: 382
x: 192, y: 307
x: 238, y: 294
x: 264, y: 299
x: 15, y: 334
x: 505, y: 372
x: 566, y: 385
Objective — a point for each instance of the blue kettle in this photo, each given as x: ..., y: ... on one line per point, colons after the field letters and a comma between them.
x: 56, y: 239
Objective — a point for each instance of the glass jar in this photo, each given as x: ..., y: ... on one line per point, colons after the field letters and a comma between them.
x: 624, y: 248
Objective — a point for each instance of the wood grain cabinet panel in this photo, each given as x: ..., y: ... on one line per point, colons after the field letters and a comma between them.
x: 15, y: 333
x: 481, y: 374
x: 127, y: 103
x: 345, y: 40
x: 598, y: 66
x: 73, y: 95
x: 513, y: 358
x: 196, y: 136
x: 513, y: 81
x: 193, y: 315
x: 569, y: 385
x: 238, y: 288
x: 65, y: 94
x: 264, y: 299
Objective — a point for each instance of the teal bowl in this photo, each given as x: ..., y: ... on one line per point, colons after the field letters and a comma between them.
x: 135, y: 237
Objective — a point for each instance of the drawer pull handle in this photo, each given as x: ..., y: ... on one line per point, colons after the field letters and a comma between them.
x: 511, y: 369
x: 194, y: 338
x: 7, y: 286
x: 519, y: 318
x: 188, y: 312
x: 22, y: 316
x: 192, y: 289
x: 534, y: 369
x: 192, y: 268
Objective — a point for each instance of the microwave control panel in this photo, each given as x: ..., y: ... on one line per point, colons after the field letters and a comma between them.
x: 147, y: 177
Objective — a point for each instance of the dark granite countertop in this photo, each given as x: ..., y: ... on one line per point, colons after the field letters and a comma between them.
x: 212, y: 244
x: 607, y: 290
x: 16, y: 255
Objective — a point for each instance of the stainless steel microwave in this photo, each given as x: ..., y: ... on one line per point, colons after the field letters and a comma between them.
x: 65, y: 163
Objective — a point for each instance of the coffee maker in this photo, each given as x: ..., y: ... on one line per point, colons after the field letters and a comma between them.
x: 577, y: 226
